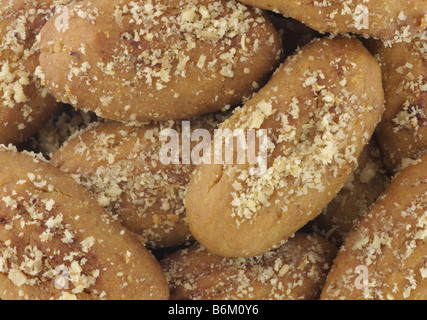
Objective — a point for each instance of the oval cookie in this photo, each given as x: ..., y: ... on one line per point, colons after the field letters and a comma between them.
x: 402, y: 133
x: 123, y: 167
x: 56, y: 242
x: 319, y: 110
x: 295, y: 271
x: 24, y: 104
x: 390, y: 19
x: 384, y: 256
x: 157, y: 60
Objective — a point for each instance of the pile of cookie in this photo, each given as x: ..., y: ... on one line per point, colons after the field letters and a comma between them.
x: 89, y: 209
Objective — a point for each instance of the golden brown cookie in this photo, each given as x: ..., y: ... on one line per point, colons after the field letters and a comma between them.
x: 56, y: 242
x: 24, y: 104
x: 320, y: 108
x: 158, y: 60
x: 384, y: 256
x: 402, y: 134
x: 380, y: 19
x: 123, y: 167
x: 295, y: 271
